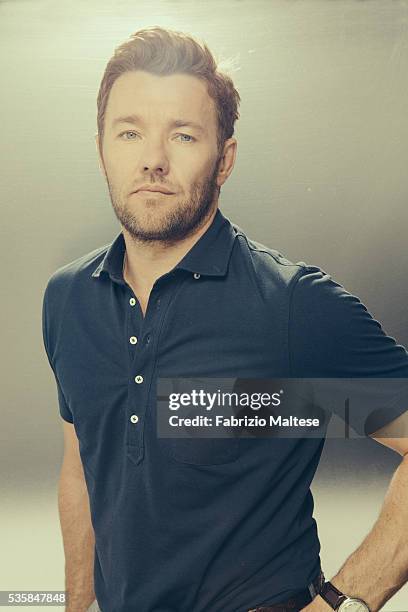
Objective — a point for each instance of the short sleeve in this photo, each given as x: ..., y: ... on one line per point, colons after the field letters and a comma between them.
x: 332, y: 335
x: 64, y: 410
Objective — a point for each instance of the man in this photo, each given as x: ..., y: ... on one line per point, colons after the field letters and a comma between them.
x: 154, y: 524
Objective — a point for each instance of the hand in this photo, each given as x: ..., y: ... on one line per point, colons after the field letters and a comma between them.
x: 318, y: 604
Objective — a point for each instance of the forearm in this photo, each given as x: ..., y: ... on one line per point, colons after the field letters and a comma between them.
x: 79, y: 541
x: 379, y: 566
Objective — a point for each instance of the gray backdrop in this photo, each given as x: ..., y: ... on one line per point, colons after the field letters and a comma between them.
x: 320, y: 175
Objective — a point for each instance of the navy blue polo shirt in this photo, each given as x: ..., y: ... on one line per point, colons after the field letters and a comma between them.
x: 193, y: 525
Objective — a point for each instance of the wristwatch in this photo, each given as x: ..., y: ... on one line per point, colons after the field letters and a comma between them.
x: 340, y: 602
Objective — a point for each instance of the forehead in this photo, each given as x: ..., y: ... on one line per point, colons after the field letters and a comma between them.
x: 156, y: 97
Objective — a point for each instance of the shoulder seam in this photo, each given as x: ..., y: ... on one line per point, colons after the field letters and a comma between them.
x: 291, y: 292
x: 282, y: 262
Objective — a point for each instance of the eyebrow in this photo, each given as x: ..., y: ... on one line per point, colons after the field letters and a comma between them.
x: 135, y: 119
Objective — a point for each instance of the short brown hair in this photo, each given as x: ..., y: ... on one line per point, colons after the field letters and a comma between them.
x: 163, y: 52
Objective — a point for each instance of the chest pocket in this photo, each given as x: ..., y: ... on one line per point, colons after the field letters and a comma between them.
x: 204, y: 451
x: 193, y: 449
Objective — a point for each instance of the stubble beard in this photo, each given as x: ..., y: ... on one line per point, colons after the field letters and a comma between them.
x: 181, y: 220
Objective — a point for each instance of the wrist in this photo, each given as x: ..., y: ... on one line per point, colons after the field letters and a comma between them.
x: 322, y: 605
x: 341, y: 601
x: 318, y: 604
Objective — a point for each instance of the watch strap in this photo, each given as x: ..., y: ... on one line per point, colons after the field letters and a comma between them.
x: 332, y: 596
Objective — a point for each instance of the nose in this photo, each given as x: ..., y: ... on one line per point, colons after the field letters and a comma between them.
x: 154, y: 158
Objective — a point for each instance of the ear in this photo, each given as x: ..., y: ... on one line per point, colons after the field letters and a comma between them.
x: 100, y: 160
x: 227, y: 160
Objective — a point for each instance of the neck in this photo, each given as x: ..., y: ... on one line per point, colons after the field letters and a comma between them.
x: 146, y: 262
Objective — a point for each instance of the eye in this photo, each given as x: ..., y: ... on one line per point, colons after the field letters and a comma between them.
x: 128, y: 132
x: 191, y: 138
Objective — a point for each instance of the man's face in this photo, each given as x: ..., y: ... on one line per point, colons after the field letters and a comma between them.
x: 161, y: 133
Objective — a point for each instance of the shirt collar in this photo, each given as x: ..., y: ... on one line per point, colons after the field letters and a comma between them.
x: 209, y: 255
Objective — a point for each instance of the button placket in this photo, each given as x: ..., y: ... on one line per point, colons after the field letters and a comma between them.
x: 134, y: 406
x: 142, y: 365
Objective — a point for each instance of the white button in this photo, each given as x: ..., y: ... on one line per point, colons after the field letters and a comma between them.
x: 134, y: 418
x: 132, y: 339
x: 196, y: 275
x: 132, y: 302
x: 138, y: 379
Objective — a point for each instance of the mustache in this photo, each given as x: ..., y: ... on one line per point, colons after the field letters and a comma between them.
x: 153, y: 179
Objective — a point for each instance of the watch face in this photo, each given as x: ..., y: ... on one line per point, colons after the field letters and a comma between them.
x: 353, y: 605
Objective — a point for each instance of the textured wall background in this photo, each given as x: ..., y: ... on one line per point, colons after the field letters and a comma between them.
x: 321, y: 176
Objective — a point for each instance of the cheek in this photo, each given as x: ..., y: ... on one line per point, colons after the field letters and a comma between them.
x: 119, y: 172
x: 196, y: 173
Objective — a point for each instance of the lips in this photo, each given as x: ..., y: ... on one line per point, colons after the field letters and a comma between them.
x: 154, y: 189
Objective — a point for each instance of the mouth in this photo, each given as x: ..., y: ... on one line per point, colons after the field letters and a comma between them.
x: 156, y: 189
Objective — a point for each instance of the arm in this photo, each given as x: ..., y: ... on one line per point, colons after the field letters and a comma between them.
x: 379, y: 566
x: 76, y: 526
x: 333, y: 335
